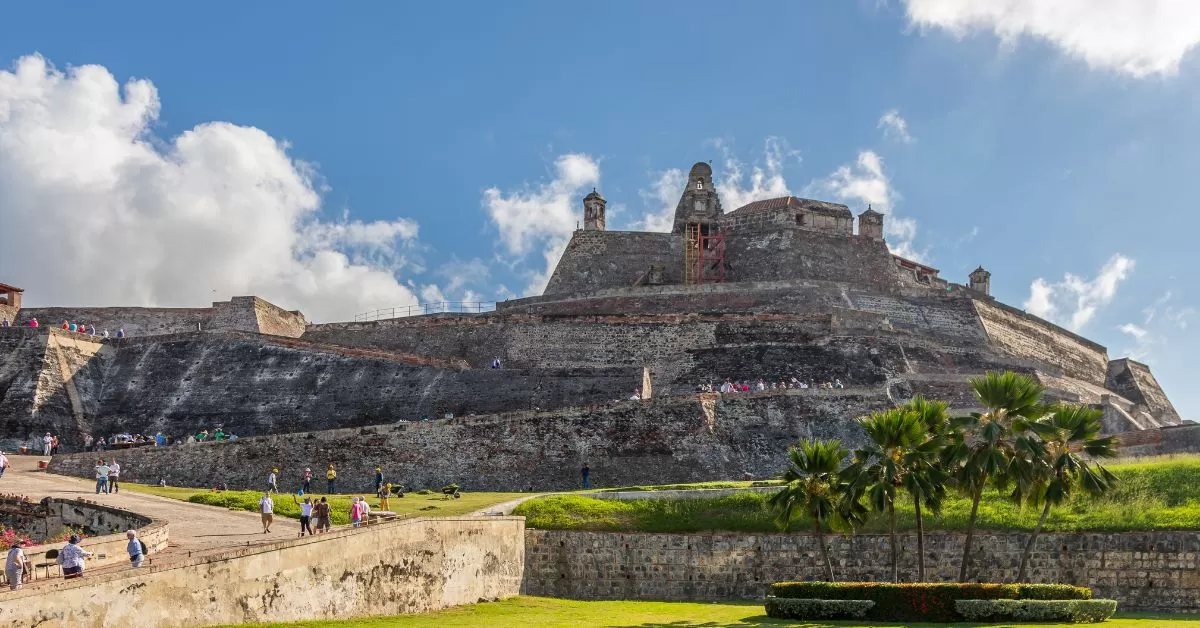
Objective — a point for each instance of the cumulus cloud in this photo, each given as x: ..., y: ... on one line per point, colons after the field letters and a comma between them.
x: 739, y: 185
x: 865, y: 184
x: 543, y: 215
x: 895, y: 126
x: 1074, y: 301
x: 660, y: 200
x: 100, y: 211
x: 1139, y: 38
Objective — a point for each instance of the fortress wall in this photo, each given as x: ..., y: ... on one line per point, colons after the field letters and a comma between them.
x: 1148, y: 571
x: 1025, y: 336
x: 22, y: 356
x: 1134, y: 381
x: 949, y: 317
x: 614, y: 259
x: 801, y: 254
x: 664, y: 440
x: 136, y: 321
x: 409, y: 566
x: 8, y: 312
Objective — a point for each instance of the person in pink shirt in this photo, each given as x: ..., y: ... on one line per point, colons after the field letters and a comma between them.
x: 33, y: 322
x: 355, y: 512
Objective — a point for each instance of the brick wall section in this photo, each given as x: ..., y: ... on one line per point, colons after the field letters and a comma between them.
x: 1023, y: 335
x: 1174, y: 439
x: 1155, y: 571
x: 1134, y: 381
x: 664, y: 440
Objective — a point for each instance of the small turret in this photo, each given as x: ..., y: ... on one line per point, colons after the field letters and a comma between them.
x: 981, y: 281
x: 870, y: 224
x: 593, y: 211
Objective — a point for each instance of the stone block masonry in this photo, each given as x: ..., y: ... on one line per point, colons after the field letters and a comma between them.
x: 410, y: 566
x: 660, y: 441
x: 1149, y: 571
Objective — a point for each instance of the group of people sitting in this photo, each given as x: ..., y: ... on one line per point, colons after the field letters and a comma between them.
x: 32, y: 323
x: 761, y: 385
x: 72, y: 556
x: 82, y: 329
x: 206, y: 436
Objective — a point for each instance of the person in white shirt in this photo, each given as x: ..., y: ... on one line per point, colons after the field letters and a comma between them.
x: 71, y: 557
x: 266, y: 506
x: 366, y: 510
x: 3, y: 463
x: 101, y: 477
x: 16, y: 566
x: 272, y: 481
x: 114, y: 475
x: 47, y: 444
x: 306, y: 511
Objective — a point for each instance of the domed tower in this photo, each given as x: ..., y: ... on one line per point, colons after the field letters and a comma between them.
x: 699, y: 203
x: 981, y: 281
x: 593, y: 211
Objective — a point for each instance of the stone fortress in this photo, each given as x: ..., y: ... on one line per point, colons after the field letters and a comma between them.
x: 779, y: 288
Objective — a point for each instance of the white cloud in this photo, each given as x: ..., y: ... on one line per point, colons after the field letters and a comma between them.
x: 737, y: 187
x: 661, y: 199
x: 100, y: 211
x: 461, y: 275
x: 1133, y: 330
x: 1136, y: 37
x: 895, y: 126
x: 543, y: 215
x: 1074, y: 301
x: 865, y: 184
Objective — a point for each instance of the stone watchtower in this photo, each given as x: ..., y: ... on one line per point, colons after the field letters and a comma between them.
x: 870, y: 224
x: 593, y: 212
x: 699, y: 203
x: 981, y: 281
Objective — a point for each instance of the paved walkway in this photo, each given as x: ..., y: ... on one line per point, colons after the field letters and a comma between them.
x: 193, y: 527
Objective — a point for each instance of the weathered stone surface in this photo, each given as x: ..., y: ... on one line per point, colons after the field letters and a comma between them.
x: 1134, y: 381
x: 239, y: 313
x: 408, y: 566
x: 1154, y: 571
x: 663, y: 440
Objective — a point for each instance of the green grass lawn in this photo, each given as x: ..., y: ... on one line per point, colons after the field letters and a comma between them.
x: 535, y: 612
x: 432, y: 505
x: 1159, y: 494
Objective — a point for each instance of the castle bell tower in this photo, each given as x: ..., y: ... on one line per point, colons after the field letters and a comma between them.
x: 981, y: 281
x: 593, y: 211
x: 699, y: 203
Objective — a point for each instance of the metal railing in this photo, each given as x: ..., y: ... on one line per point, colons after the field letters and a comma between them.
x: 435, y: 307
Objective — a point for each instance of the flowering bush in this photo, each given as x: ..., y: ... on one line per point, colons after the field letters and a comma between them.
x: 62, y: 537
x: 8, y: 536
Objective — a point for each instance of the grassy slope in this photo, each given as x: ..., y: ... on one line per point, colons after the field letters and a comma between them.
x: 424, y: 505
x: 533, y: 612
x: 1160, y: 494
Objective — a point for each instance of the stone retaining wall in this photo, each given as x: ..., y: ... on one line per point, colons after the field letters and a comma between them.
x: 1153, y: 571
x: 410, y: 566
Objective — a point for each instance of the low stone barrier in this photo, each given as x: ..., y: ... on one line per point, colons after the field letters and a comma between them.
x: 1151, y: 571
x: 404, y: 566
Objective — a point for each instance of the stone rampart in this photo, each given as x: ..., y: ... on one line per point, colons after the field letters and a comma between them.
x: 1026, y: 336
x: 1153, y: 571
x: 595, y: 260
x: 239, y: 313
x: 660, y: 441
x: 1134, y: 381
x: 409, y: 566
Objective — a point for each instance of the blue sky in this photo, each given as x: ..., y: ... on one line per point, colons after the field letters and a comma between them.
x: 339, y: 160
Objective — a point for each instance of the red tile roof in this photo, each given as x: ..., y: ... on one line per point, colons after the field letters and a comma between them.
x: 7, y: 288
x: 787, y: 202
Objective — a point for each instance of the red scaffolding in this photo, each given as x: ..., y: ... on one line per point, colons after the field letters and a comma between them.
x: 704, y: 255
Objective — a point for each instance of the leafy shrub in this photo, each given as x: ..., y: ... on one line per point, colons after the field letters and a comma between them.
x: 922, y: 601
x: 1074, y: 611
x: 799, y: 608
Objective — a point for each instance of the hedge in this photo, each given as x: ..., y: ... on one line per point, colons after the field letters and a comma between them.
x: 1074, y: 611
x: 799, y: 608
x: 923, y: 601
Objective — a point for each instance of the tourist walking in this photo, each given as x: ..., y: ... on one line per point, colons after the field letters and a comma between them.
x: 587, y: 474
x: 378, y: 479
x: 114, y: 476
x: 3, y: 463
x: 101, y: 477
x: 17, y: 565
x: 321, y: 512
x: 365, y: 510
x: 307, y: 485
x: 266, y: 506
x: 53, y: 445
x: 272, y: 481
x: 384, y: 494
x: 71, y: 557
x: 355, y: 512
x: 331, y: 479
x: 306, y: 511
x: 136, y: 548
x: 47, y: 444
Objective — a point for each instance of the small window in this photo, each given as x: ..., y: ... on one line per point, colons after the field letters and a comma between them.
x: 699, y: 185
x: 800, y: 219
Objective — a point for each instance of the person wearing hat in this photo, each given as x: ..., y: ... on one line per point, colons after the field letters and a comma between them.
x: 378, y: 479
x: 47, y: 444
x: 17, y: 565
x: 71, y: 557
x: 331, y: 479
x: 272, y: 485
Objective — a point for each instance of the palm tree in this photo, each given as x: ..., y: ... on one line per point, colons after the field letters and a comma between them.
x: 1059, y: 448
x: 815, y: 486
x: 925, y: 479
x: 885, y: 464
x: 981, y: 445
